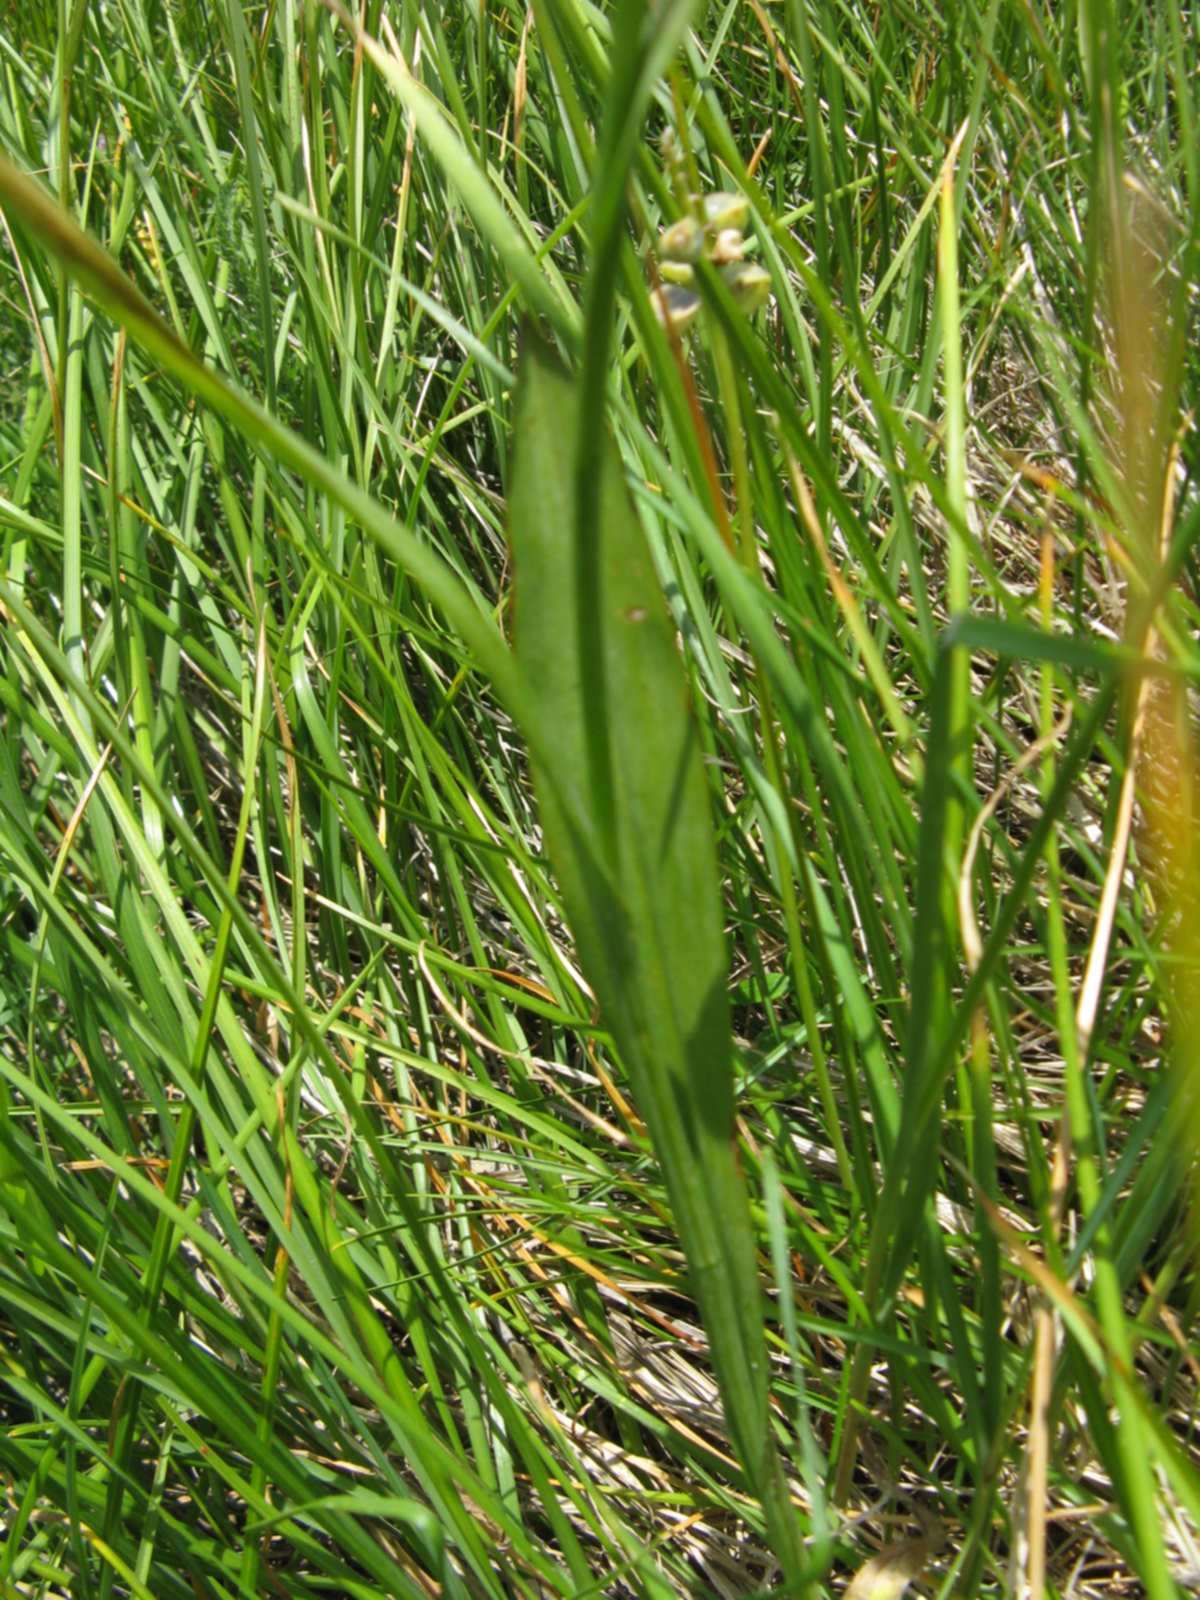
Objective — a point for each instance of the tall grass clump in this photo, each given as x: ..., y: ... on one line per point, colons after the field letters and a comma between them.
x: 598, y: 768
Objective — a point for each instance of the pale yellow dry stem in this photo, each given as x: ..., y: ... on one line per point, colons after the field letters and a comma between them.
x: 519, y: 85
x: 759, y: 151
x: 1037, y: 1455
x: 1169, y: 835
x: 1037, y: 1449
x: 972, y: 943
x: 1136, y: 322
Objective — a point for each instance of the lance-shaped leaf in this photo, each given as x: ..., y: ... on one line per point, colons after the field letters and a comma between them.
x: 640, y: 884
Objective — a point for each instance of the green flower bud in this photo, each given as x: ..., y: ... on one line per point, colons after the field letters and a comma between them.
x: 675, y: 306
x: 749, y: 285
x: 676, y: 272
x: 682, y: 241
x: 727, y: 247
x: 725, y: 210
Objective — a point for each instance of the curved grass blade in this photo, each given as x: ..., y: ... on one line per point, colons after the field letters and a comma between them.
x: 32, y: 209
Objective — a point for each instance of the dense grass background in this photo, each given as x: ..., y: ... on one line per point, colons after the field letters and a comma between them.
x: 334, y: 1255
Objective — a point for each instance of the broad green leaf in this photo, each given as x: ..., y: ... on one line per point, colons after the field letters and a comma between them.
x: 642, y: 895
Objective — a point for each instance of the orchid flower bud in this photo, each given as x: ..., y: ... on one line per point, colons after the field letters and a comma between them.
x: 682, y: 241
x: 675, y: 306
x: 725, y: 210
x: 750, y: 285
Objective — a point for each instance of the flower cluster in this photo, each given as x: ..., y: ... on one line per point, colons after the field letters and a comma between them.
x: 712, y: 231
